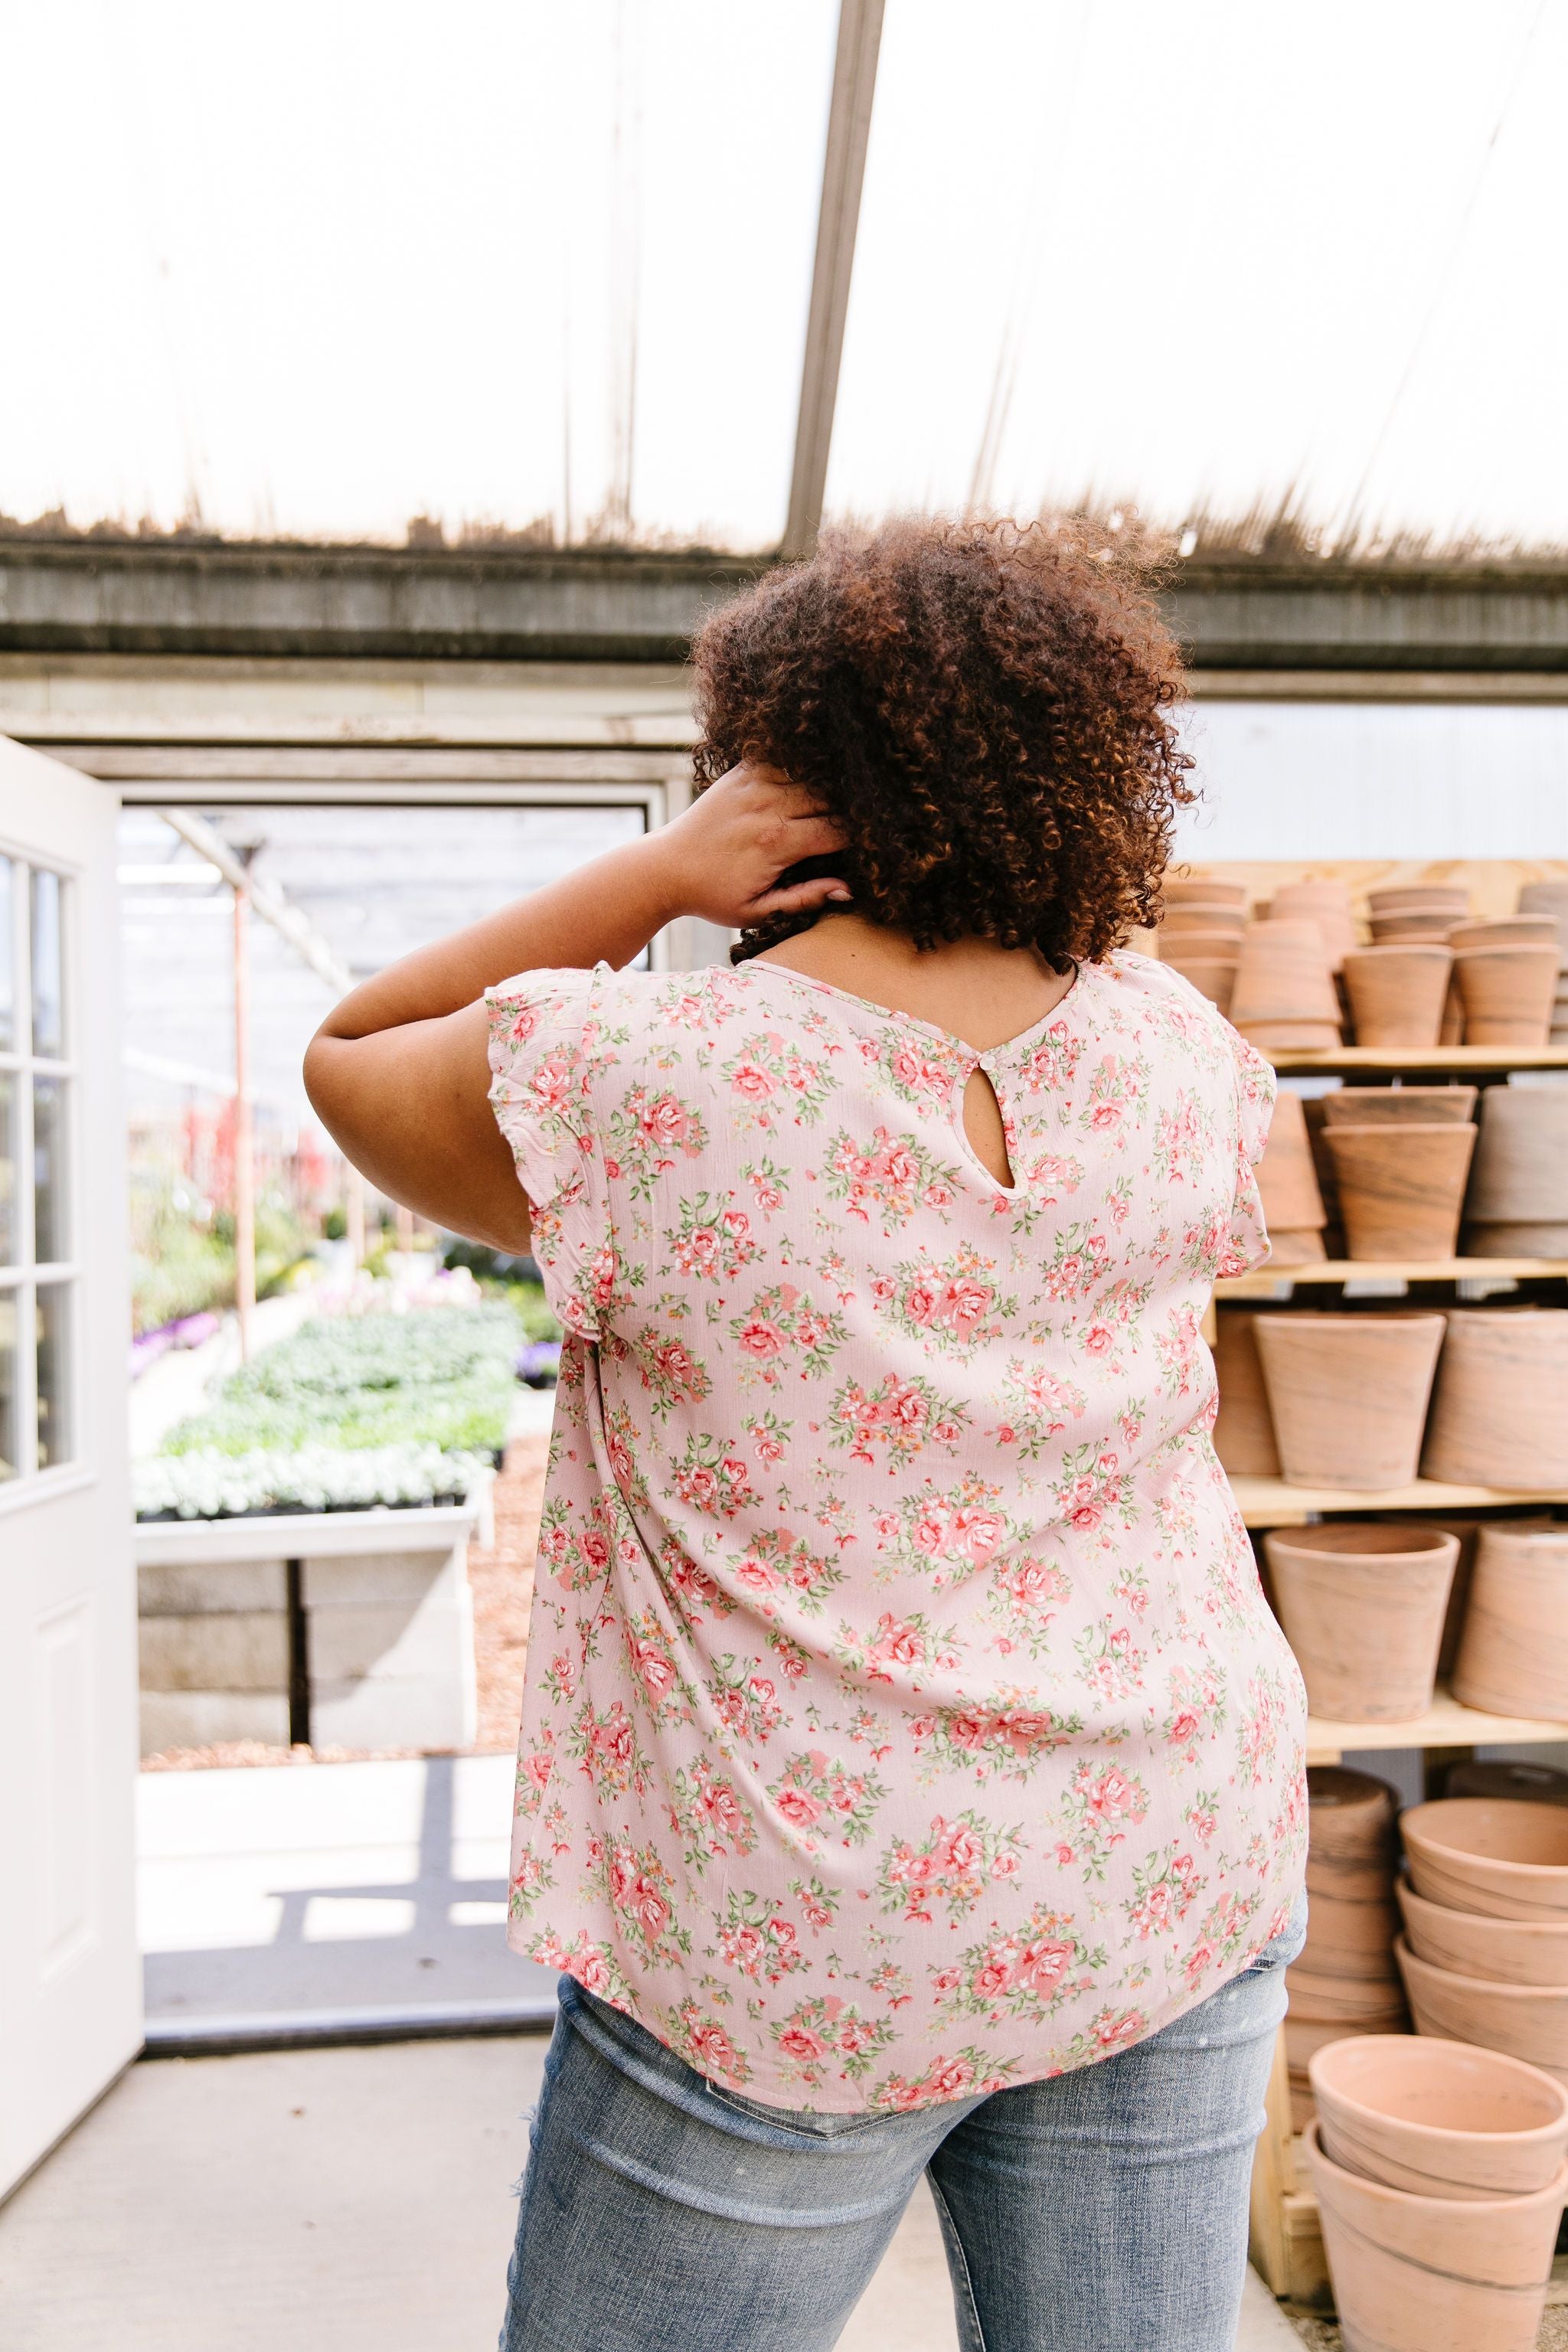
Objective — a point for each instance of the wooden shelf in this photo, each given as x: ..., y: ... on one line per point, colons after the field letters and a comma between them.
x: 1279, y: 1281
x: 1348, y: 1061
x: 1446, y: 1724
x: 1270, y: 1503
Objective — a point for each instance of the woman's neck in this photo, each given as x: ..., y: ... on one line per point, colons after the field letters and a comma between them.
x: 973, y: 988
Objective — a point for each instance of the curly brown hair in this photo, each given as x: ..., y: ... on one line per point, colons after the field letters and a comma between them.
x: 986, y: 711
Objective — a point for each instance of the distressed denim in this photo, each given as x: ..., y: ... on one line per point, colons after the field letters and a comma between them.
x: 1103, y: 2210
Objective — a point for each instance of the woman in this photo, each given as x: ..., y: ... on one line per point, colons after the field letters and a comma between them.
x: 910, y: 1774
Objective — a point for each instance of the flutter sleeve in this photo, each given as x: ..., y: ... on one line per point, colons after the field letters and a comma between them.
x: 541, y: 1026
x: 1247, y: 1244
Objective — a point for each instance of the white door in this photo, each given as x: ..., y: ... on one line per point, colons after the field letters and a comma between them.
x: 70, y: 1993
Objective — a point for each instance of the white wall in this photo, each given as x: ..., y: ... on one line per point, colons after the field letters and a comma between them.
x: 1349, y: 779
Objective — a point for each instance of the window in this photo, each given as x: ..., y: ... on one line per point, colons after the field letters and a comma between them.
x: 37, y: 1272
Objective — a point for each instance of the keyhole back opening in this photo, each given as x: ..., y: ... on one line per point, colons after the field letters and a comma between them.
x: 984, y: 1130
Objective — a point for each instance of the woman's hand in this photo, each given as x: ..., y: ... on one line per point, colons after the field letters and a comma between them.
x: 723, y: 857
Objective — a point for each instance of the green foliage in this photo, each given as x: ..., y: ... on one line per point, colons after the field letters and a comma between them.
x: 179, y: 1268
x: 439, y: 1376
x: 213, y: 1486
x: 527, y: 1302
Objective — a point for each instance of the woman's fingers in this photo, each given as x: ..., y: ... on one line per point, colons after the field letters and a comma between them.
x: 811, y: 836
x: 800, y: 897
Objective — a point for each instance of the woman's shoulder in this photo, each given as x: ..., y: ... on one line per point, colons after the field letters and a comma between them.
x: 1184, y: 1013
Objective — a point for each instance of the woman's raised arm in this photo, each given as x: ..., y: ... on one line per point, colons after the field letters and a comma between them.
x: 398, y: 1073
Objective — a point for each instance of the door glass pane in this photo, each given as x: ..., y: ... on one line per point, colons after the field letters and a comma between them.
x: 55, y: 1434
x: 48, y: 986
x: 51, y: 1234
x: 7, y: 957
x: 7, y: 1385
x: 7, y: 1169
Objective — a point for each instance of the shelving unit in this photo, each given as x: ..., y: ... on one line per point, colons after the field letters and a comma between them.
x: 1270, y: 1503
x: 1286, y: 2243
x: 1455, y: 1061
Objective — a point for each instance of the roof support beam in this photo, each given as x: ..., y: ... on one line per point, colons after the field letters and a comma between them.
x: 843, y: 173
x: 296, y: 926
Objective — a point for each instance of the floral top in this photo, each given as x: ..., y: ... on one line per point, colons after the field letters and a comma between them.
x: 904, y: 1716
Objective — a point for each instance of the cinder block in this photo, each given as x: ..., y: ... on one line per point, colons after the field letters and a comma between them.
x: 425, y: 1711
x: 200, y: 1718
x: 242, y: 1650
x: 219, y: 1586
x: 393, y: 1642
x: 366, y: 1580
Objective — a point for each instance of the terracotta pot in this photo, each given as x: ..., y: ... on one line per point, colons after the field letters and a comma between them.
x: 1439, y: 2118
x: 1421, y: 898
x: 1295, y: 1245
x: 1304, y: 2036
x: 1225, y: 923
x: 1211, y: 976
x: 1325, y: 903
x: 1348, y: 1394
x: 1465, y: 1527
x: 1184, y: 941
x: 1520, y: 1173
x: 1497, y: 1951
x: 1500, y: 1417
x: 1398, y: 993
x: 1397, y: 1106
x: 1508, y: 993
x: 1505, y: 931
x: 1546, y: 899
x: 1411, y: 931
x: 1434, y: 2273
x: 1513, y: 1656
x: 1527, y: 2021
x: 1485, y: 1855
x: 1287, y: 1181
x: 1516, y: 1241
x: 1350, y: 1940
x: 1401, y: 1187
x: 1362, y: 1607
x: 1513, y: 1776
x: 1452, y: 1032
x: 1283, y: 978
x: 1363, y: 2004
x: 1353, y: 1831
x: 1243, y: 1433
x: 1202, y: 888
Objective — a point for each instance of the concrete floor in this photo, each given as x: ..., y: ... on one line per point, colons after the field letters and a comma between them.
x: 328, y: 1887
x: 340, y: 2200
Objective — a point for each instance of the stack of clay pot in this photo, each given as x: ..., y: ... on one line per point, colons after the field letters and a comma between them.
x: 1551, y: 898
x: 1506, y: 974
x: 1288, y: 1186
x: 1243, y: 1428
x: 1401, y: 1156
x: 1284, y: 999
x: 1364, y: 1605
x: 1485, y: 1950
x: 1416, y: 915
x: 1499, y: 1415
x: 1200, y: 936
x: 1517, y: 1202
x: 1440, y: 2177
x: 1513, y: 1648
x: 1346, y: 1980
x: 1348, y: 1394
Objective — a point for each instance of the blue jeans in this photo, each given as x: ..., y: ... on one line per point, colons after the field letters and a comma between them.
x: 1104, y: 2210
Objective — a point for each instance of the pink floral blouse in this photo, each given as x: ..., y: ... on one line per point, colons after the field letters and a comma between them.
x: 904, y: 1716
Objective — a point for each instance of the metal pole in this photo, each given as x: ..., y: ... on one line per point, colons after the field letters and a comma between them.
x: 244, y: 1130
x: 843, y: 171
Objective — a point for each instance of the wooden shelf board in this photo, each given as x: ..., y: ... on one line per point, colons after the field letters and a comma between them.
x: 1270, y: 1503
x: 1266, y: 1280
x: 1348, y: 1061
x: 1446, y: 1724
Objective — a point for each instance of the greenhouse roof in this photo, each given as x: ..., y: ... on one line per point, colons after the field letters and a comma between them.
x: 512, y: 274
